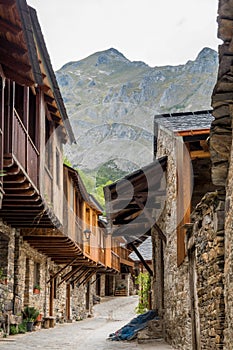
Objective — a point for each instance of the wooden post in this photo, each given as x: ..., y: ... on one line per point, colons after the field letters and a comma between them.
x: 68, y: 301
x: 51, y: 297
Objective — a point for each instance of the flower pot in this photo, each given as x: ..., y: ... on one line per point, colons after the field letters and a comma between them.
x: 30, y: 326
x: 36, y: 291
x: 39, y: 317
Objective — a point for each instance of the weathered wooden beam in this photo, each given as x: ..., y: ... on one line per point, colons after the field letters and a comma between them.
x: 12, y: 63
x: 20, y: 77
x: 70, y: 274
x: 88, y: 277
x: 7, y: 26
x: 81, y: 275
x: 199, y: 154
x: 12, y: 47
x: 147, y: 267
x: 62, y: 269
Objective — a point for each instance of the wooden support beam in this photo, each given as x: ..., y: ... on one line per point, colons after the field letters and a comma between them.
x: 20, y: 77
x: 70, y: 274
x: 7, y: 26
x: 141, y: 258
x: 199, y: 154
x: 12, y: 63
x: 7, y: 3
x: 83, y: 273
x: 62, y: 269
x: 88, y: 277
x: 12, y: 47
x: 151, y: 220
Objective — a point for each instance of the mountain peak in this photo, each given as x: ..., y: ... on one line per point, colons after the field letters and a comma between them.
x: 206, y: 53
x: 110, y: 55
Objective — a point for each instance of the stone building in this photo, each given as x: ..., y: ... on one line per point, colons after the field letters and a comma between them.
x: 53, y: 242
x: 221, y: 156
x: 183, y: 138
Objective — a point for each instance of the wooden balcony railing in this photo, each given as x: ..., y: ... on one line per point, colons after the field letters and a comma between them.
x: 101, y: 253
x: 115, y: 261
x: 23, y: 148
x: 72, y: 228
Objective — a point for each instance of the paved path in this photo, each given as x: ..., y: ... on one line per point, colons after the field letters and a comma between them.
x: 90, y: 334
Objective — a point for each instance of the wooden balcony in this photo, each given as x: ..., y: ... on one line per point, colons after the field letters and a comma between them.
x: 124, y: 256
x: 115, y: 261
x: 22, y: 204
x: 101, y: 255
x: 19, y: 146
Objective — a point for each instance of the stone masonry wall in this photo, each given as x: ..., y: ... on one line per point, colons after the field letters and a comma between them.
x: 221, y: 128
x: 222, y: 150
x: 229, y: 259
x: 176, y: 313
x: 17, y: 261
x: 7, y: 246
x: 208, y: 234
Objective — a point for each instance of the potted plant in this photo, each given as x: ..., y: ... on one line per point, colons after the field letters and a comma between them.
x: 36, y: 289
x: 30, y: 315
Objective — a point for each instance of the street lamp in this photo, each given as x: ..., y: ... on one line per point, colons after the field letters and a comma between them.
x: 87, y: 234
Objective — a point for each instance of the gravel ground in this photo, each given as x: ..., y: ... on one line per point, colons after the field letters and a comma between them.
x: 90, y: 334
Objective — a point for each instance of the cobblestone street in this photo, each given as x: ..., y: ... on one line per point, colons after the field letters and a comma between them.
x: 92, y: 333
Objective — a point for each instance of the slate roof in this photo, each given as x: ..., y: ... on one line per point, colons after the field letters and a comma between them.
x: 145, y: 249
x: 185, y: 121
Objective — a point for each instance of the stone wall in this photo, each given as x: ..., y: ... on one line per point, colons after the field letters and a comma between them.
x: 221, y: 149
x: 207, y: 239
x: 18, y: 261
x: 221, y: 128
x: 175, y: 307
x: 229, y: 258
x: 123, y: 281
x: 7, y: 248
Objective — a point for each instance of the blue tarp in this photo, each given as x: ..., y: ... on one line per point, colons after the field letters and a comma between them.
x: 130, y: 330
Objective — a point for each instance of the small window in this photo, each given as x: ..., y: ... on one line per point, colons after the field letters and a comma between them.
x: 36, y: 274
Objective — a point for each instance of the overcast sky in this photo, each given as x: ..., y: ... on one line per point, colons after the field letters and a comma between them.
x: 158, y: 32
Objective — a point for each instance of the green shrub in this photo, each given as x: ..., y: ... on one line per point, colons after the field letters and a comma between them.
x: 144, y: 282
x: 13, y: 329
x: 22, y: 327
x: 30, y: 313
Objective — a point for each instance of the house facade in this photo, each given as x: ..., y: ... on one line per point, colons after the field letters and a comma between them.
x: 183, y: 138
x: 55, y: 251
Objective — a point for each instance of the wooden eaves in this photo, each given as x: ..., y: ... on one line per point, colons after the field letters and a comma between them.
x: 131, y: 200
x: 18, y: 55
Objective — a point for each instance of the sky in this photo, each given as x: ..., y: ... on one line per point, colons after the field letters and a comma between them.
x: 157, y: 32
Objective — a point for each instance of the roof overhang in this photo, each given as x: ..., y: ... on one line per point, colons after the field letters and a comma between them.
x: 134, y: 203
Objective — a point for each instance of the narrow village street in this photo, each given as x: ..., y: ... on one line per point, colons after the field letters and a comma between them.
x: 110, y: 315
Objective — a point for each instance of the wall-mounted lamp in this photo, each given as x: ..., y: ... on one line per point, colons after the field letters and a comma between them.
x: 87, y: 234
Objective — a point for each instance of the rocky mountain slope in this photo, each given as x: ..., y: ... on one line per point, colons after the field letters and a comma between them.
x: 111, y: 103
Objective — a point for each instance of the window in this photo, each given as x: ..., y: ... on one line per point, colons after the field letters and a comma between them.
x: 36, y: 274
